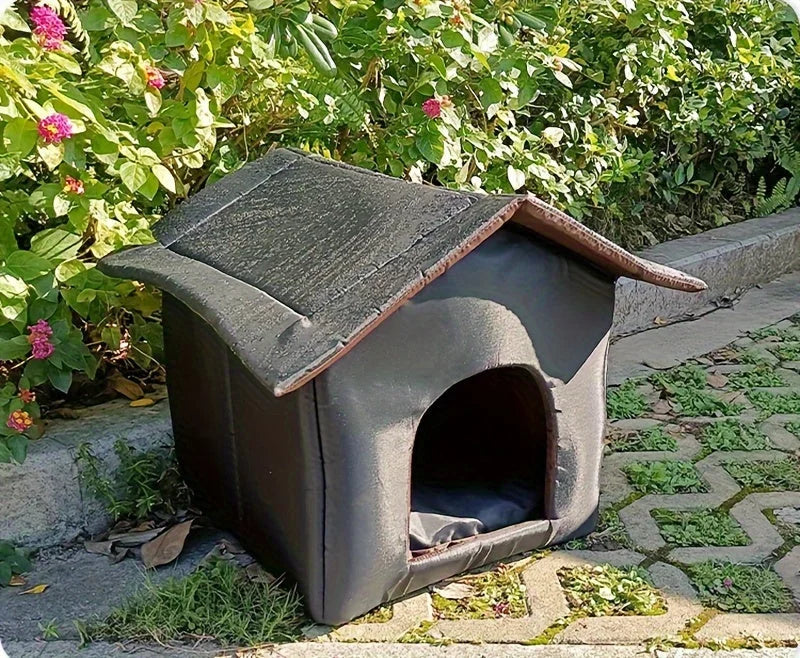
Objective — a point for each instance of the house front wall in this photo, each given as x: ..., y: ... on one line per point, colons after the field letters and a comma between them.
x: 515, y: 301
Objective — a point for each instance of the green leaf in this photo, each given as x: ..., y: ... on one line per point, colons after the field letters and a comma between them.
x: 125, y: 10
x: 133, y: 175
x: 51, y: 154
x: 164, y: 177
x: 60, y: 379
x: 14, y: 348
x: 56, y: 244
x: 152, y: 99
x: 430, y: 144
x: 20, y: 135
x: 5, y: 458
x: 491, y: 92
x: 27, y: 265
x: 18, y: 446
x: 13, y: 20
x: 563, y: 78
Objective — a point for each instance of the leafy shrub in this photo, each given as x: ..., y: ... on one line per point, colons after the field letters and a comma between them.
x: 142, y: 483
x: 645, y: 119
x: 730, y: 434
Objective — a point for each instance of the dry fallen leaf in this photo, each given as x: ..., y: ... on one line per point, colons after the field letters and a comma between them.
x: 99, y: 547
x: 126, y: 387
x: 717, y: 381
x: 144, y: 402
x: 16, y: 581
x: 135, y: 538
x: 455, y: 591
x: 36, y: 589
x: 167, y: 546
x: 257, y: 574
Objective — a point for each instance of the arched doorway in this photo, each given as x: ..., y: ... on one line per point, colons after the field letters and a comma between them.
x: 479, y: 459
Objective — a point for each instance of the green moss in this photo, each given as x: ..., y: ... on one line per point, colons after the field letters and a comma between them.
x: 420, y: 634
x: 738, y: 588
x: 699, y: 528
x: 625, y: 401
x: 495, y: 594
x: 650, y: 439
x: 664, y: 477
x: 780, y: 475
x: 604, y: 590
x: 730, y: 434
x: 379, y: 615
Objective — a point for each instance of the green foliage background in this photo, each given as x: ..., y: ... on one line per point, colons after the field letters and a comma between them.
x: 644, y: 118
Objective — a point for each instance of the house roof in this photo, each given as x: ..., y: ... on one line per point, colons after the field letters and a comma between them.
x: 294, y: 258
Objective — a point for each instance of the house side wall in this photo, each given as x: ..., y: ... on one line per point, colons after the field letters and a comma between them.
x: 514, y: 301
x: 252, y: 459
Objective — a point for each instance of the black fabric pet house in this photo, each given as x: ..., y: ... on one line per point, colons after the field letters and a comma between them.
x: 377, y: 384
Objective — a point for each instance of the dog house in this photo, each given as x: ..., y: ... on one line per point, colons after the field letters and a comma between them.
x: 377, y: 384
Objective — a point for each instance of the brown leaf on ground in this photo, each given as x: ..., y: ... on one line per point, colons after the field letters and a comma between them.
x: 455, y: 591
x: 662, y: 407
x: 99, y: 547
x: 257, y: 574
x: 135, y: 538
x: 36, y: 589
x: 167, y: 546
x: 717, y: 381
x: 144, y: 402
x: 16, y: 581
x: 125, y: 386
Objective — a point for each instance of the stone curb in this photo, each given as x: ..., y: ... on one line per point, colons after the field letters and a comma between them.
x: 43, y: 500
x: 730, y: 259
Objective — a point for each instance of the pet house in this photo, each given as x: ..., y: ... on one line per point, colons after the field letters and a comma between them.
x: 377, y: 384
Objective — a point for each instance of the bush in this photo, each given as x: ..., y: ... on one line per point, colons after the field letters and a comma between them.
x: 644, y: 118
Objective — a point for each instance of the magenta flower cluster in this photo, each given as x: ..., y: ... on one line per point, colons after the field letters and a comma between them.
x: 48, y: 28
x: 39, y: 338
x: 55, y: 128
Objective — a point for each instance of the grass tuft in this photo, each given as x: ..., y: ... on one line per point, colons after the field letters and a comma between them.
x: 738, y: 588
x: 604, y: 590
x: 664, y: 477
x: 780, y: 475
x: 216, y: 601
x: 699, y: 528
x: 652, y: 439
x: 730, y: 434
x: 625, y: 401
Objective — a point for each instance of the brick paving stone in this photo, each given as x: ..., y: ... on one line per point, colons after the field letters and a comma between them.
x: 406, y: 614
x: 788, y: 568
x: 729, y: 626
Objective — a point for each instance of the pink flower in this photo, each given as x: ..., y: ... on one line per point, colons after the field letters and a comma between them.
x: 55, y: 128
x: 73, y: 185
x: 39, y: 338
x: 49, y: 30
x: 727, y: 583
x: 154, y: 77
x: 502, y: 608
x: 19, y: 421
x: 433, y: 108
